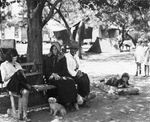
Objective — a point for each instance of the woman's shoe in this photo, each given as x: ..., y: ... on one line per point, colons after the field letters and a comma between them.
x: 76, y: 106
x: 85, y: 105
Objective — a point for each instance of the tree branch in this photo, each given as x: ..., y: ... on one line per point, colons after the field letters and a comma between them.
x: 42, y: 4
x: 141, y: 14
x: 64, y: 20
x: 51, y: 12
x: 133, y: 40
x: 33, y: 9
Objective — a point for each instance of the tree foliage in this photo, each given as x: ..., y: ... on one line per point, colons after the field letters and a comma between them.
x: 130, y: 12
x: 6, y: 16
x: 4, y: 3
x: 124, y: 13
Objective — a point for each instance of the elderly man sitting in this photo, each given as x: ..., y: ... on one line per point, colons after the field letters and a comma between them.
x: 81, y: 78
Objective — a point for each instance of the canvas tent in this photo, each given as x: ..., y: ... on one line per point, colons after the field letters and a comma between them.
x: 62, y: 35
x: 113, y: 31
x: 53, y: 25
x: 59, y: 31
x: 87, y: 34
x: 95, y: 48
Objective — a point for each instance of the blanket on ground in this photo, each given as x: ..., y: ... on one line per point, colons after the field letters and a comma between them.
x: 119, y: 91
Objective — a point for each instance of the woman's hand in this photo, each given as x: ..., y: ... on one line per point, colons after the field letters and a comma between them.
x: 55, y: 76
x: 7, y: 78
x: 123, y: 85
x: 51, y: 77
x: 28, y: 87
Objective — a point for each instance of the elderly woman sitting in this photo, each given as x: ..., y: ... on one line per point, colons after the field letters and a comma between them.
x: 55, y: 71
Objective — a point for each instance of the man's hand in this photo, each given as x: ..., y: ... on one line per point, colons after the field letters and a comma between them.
x: 79, y: 74
x: 77, y: 67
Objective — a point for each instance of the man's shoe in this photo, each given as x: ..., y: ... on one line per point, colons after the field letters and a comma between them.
x: 26, y: 119
x: 76, y: 106
x: 85, y: 105
x: 90, y: 96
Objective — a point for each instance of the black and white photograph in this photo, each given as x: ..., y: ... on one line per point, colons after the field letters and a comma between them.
x: 74, y: 60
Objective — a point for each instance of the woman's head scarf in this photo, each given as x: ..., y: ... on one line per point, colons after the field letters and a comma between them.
x: 58, y: 46
x: 125, y: 75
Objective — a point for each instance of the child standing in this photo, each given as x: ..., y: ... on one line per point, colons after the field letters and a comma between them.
x: 138, y: 56
x: 146, y: 62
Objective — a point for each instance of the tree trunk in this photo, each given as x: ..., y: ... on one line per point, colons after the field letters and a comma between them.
x: 34, y: 48
x: 121, y: 42
x: 34, y: 33
x: 123, y: 33
x: 80, y: 37
x: 133, y: 40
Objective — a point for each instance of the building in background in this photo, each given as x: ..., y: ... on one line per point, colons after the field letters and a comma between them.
x: 11, y: 27
x: 19, y: 34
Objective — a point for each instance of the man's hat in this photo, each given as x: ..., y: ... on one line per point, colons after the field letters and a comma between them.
x: 74, y: 45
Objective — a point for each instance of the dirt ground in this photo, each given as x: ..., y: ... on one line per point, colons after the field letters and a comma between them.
x: 104, y: 108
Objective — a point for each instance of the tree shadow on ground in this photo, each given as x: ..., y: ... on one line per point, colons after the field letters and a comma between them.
x: 125, y: 56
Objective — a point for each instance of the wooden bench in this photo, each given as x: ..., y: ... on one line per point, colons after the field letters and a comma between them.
x: 29, y: 72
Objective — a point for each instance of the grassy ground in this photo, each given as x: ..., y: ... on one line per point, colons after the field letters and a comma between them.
x: 103, y: 108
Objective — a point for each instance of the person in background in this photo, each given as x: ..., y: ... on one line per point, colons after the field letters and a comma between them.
x: 138, y: 56
x: 14, y: 80
x: 120, y: 86
x: 122, y: 82
x: 146, y: 60
x: 81, y: 78
x: 55, y: 71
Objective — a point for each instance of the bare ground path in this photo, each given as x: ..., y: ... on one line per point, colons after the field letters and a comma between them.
x: 103, y: 108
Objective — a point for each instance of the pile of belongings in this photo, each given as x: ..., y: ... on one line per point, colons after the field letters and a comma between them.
x: 131, y: 90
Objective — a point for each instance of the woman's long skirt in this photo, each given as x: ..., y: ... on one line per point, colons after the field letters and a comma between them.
x: 83, y: 85
x: 65, y: 91
x: 17, y: 83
